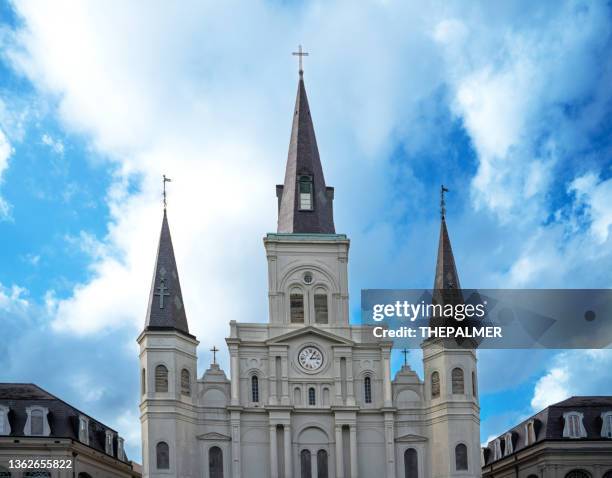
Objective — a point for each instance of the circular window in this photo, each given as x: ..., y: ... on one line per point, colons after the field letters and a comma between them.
x: 307, y: 278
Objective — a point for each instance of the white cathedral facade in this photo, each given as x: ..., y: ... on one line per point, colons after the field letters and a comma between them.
x: 310, y: 396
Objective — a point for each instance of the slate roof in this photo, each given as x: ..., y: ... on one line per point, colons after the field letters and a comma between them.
x: 548, y: 423
x: 166, y: 310
x: 63, y: 418
x: 303, y: 159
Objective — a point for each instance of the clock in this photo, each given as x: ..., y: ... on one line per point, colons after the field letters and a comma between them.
x: 310, y: 358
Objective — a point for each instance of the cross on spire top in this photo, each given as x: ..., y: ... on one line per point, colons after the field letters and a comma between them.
x: 442, y: 201
x: 300, y: 54
x: 165, y: 180
x: 405, y: 352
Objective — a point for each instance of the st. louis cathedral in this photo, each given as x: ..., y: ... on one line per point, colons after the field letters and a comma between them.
x: 310, y: 396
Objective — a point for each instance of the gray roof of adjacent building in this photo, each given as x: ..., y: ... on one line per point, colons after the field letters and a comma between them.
x: 63, y: 418
x: 548, y: 424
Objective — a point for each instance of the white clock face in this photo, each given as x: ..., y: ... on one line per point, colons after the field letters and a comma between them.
x: 310, y: 358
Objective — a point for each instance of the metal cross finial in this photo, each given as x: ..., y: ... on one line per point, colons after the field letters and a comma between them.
x: 166, y: 180
x: 214, y: 350
x: 300, y: 54
x: 442, y: 201
x: 405, y: 352
x: 162, y: 291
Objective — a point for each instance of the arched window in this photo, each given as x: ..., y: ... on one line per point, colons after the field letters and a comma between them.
x: 297, y: 396
x: 435, y: 385
x: 311, y: 396
x: 4, y: 473
x: 305, y: 464
x: 607, y: 474
x: 162, y: 452
x: 296, y: 305
x: 458, y: 383
x: 474, y: 391
x: 305, y: 187
x: 161, y: 378
x: 84, y: 475
x: 322, y: 464
x: 461, y: 457
x: 411, y: 463
x: 367, y: 389
x: 535, y: 476
x: 320, y: 306
x: 37, y: 474
x: 185, y: 382
x: 254, y: 389
x: 215, y: 462
x: 578, y: 474
x: 36, y: 422
x: 143, y: 382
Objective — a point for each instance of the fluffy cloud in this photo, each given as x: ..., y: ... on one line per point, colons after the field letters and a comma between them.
x: 5, y: 153
x: 576, y: 372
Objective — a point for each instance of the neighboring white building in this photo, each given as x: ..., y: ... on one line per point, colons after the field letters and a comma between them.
x: 569, y: 439
x: 42, y: 436
x: 309, y: 395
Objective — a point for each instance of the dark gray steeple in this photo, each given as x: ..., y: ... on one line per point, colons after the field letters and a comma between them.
x: 304, y: 201
x: 166, y: 310
x: 446, y: 289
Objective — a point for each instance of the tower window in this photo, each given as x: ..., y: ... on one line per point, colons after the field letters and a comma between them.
x: 435, y: 385
x: 320, y: 304
x: 185, y: 382
x: 161, y: 378
x: 367, y: 389
x: 305, y: 189
x: 162, y: 452
x: 254, y: 389
x: 474, y: 392
x: 311, y: 396
x: 143, y: 382
x: 296, y: 300
x: 458, y: 382
x: 461, y: 457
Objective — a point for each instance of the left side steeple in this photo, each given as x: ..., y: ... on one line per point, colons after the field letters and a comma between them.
x: 166, y: 309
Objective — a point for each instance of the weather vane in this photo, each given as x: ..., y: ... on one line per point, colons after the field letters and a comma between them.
x: 442, y: 201
x: 166, y: 180
x: 300, y: 54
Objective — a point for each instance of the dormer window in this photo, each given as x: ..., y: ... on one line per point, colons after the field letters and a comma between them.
x: 5, y: 427
x: 84, y: 430
x: 37, y: 423
x: 573, y: 427
x: 530, y: 436
x: 606, y: 424
x: 508, y: 447
x: 120, y: 449
x: 305, y: 191
x: 108, y: 443
x: 497, y: 451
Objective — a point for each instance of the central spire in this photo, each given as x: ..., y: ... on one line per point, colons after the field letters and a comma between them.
x: 304, y: 201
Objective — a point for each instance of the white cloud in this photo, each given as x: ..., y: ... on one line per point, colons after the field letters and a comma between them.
x: 5, y: 152
x: 576, y: 372
x: 55, y: 144
x: 596, y: 195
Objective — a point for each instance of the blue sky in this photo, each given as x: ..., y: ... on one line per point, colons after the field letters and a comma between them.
x: 508, y: 104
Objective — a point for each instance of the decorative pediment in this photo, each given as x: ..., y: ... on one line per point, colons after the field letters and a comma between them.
x: 214, y: 436
x: 310, y: 330
x: 410, y: 438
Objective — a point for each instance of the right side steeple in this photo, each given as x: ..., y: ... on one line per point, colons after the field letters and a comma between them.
x: 304, y: 201
x: 447, y: 288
